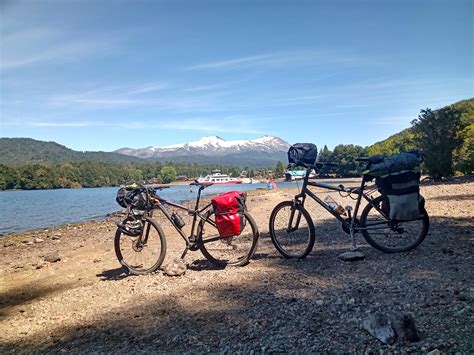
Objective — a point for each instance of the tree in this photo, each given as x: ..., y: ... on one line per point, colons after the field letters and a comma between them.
x: 9, y: 177
x: 279, y: 169
x: 324, y: 155
x: 439, y: 133
x: 168, y: 174
x: 345, y: 156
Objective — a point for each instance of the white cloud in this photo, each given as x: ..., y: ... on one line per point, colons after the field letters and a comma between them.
x: 295, y: 57
x: 41, y: 46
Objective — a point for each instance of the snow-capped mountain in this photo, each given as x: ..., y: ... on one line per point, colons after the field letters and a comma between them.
x: 264, y: 151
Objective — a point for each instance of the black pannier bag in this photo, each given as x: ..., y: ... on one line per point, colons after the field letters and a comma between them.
x: 302, y: 153
x: 133, y: 198
x: 403, y: 201
x: 398, y: 180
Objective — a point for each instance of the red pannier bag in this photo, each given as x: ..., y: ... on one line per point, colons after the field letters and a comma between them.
x: 229, y: 210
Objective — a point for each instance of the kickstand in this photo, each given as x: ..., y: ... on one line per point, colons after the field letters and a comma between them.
x: 353, y: 246
x: 184, y: 253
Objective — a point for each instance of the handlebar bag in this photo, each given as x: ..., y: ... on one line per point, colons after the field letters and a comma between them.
x: 402, y: 201
x: 133, y: 198
x: 302, y: 153
x: 229, y: 211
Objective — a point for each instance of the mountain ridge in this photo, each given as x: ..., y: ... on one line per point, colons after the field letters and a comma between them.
x: 20, y: 151
x: 259, y: 152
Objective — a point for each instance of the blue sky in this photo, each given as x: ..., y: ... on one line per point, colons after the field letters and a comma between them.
x: 100, y: 75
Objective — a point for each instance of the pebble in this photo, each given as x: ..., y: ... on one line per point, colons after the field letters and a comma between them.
x: 39, y: 240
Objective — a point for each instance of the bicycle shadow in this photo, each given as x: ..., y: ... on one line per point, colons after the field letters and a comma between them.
x: 202, y: 265
x: 114, y: 274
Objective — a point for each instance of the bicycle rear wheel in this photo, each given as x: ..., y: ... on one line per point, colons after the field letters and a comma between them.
x: 230, y: 251
x: 144, y: 253
x: 389, y: 236
x: 291, y: 230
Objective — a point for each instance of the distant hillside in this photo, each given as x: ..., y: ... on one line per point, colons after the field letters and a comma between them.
x: 404, y: 140
x: 20, y: 151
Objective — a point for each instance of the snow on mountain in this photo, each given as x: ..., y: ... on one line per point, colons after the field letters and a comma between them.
x: 215, y: 149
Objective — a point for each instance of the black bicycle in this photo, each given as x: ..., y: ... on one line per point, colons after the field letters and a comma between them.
x: 140, y: 243
x: 292, y: 229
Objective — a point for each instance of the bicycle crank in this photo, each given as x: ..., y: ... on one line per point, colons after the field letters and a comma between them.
x: 345, y: 226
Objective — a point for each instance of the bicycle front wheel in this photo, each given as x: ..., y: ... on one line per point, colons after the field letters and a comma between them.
x: 229, y: 251
x: 291, y: 230
x: 144, y: 253
x: 389, y: 236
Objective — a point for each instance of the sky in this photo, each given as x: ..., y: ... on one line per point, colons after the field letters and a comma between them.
x: 101, y: 75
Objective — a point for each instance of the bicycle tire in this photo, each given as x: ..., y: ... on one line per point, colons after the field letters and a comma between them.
x: 219, y: 250
x: 130, y: 261
x: 370, y: 237
x: 306, y: 245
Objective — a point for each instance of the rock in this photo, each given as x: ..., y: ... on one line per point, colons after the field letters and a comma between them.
x: 56, y: 236
x: 352, y: 256
x: 52, y: 258
x: 319, y: 302
x: 177, y: 268
x: 378, y: 325
x: 39, y: 240
x: 404, y: 327
x: 435, y: 352
x: 8, y: 243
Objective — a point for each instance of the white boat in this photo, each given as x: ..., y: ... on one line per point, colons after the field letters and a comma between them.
x: 250, y: 181
x: 216, y: 177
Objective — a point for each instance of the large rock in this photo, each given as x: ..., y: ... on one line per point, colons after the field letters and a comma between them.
x: 404, y: 327
x: 177, y: 268
x: 352, y: 256
x: 52, y: 258
x: 379, y: 326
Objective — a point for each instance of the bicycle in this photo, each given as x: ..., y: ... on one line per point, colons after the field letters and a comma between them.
x: 140, y: 243
x: 292, y: 230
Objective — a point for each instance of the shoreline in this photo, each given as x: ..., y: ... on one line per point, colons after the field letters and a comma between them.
x: 281, y: 185
x: 63, y: 289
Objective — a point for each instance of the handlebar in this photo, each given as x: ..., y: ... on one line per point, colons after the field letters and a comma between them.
x: 201, y: 184
x: 132, y: 187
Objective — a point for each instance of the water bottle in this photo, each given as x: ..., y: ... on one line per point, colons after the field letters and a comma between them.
x: 178, y: 221
x: 333, y: 205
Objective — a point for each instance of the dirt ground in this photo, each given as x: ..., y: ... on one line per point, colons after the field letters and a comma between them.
x: 85, y: 302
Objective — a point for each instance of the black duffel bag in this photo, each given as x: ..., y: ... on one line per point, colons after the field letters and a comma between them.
x: 302, y: 154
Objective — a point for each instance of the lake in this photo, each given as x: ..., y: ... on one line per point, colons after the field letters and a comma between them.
x: 23, y: 210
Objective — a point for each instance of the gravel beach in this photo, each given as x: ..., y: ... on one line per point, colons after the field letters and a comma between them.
x: 63, y: 290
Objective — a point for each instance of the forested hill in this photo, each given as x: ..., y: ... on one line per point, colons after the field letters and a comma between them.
x: 21, y: 151
x: 404, y: 140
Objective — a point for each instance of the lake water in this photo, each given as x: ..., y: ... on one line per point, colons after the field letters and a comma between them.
x: 26, y: 210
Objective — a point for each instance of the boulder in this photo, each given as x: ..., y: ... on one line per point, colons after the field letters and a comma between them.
x: 52, y: 258
x: 379, y: 326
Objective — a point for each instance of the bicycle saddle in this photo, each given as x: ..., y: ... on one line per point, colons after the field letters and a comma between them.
x: 373, y: 159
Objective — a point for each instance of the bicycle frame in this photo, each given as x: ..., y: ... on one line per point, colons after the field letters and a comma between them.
x: 191, y: 241
x: 352, y: 225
